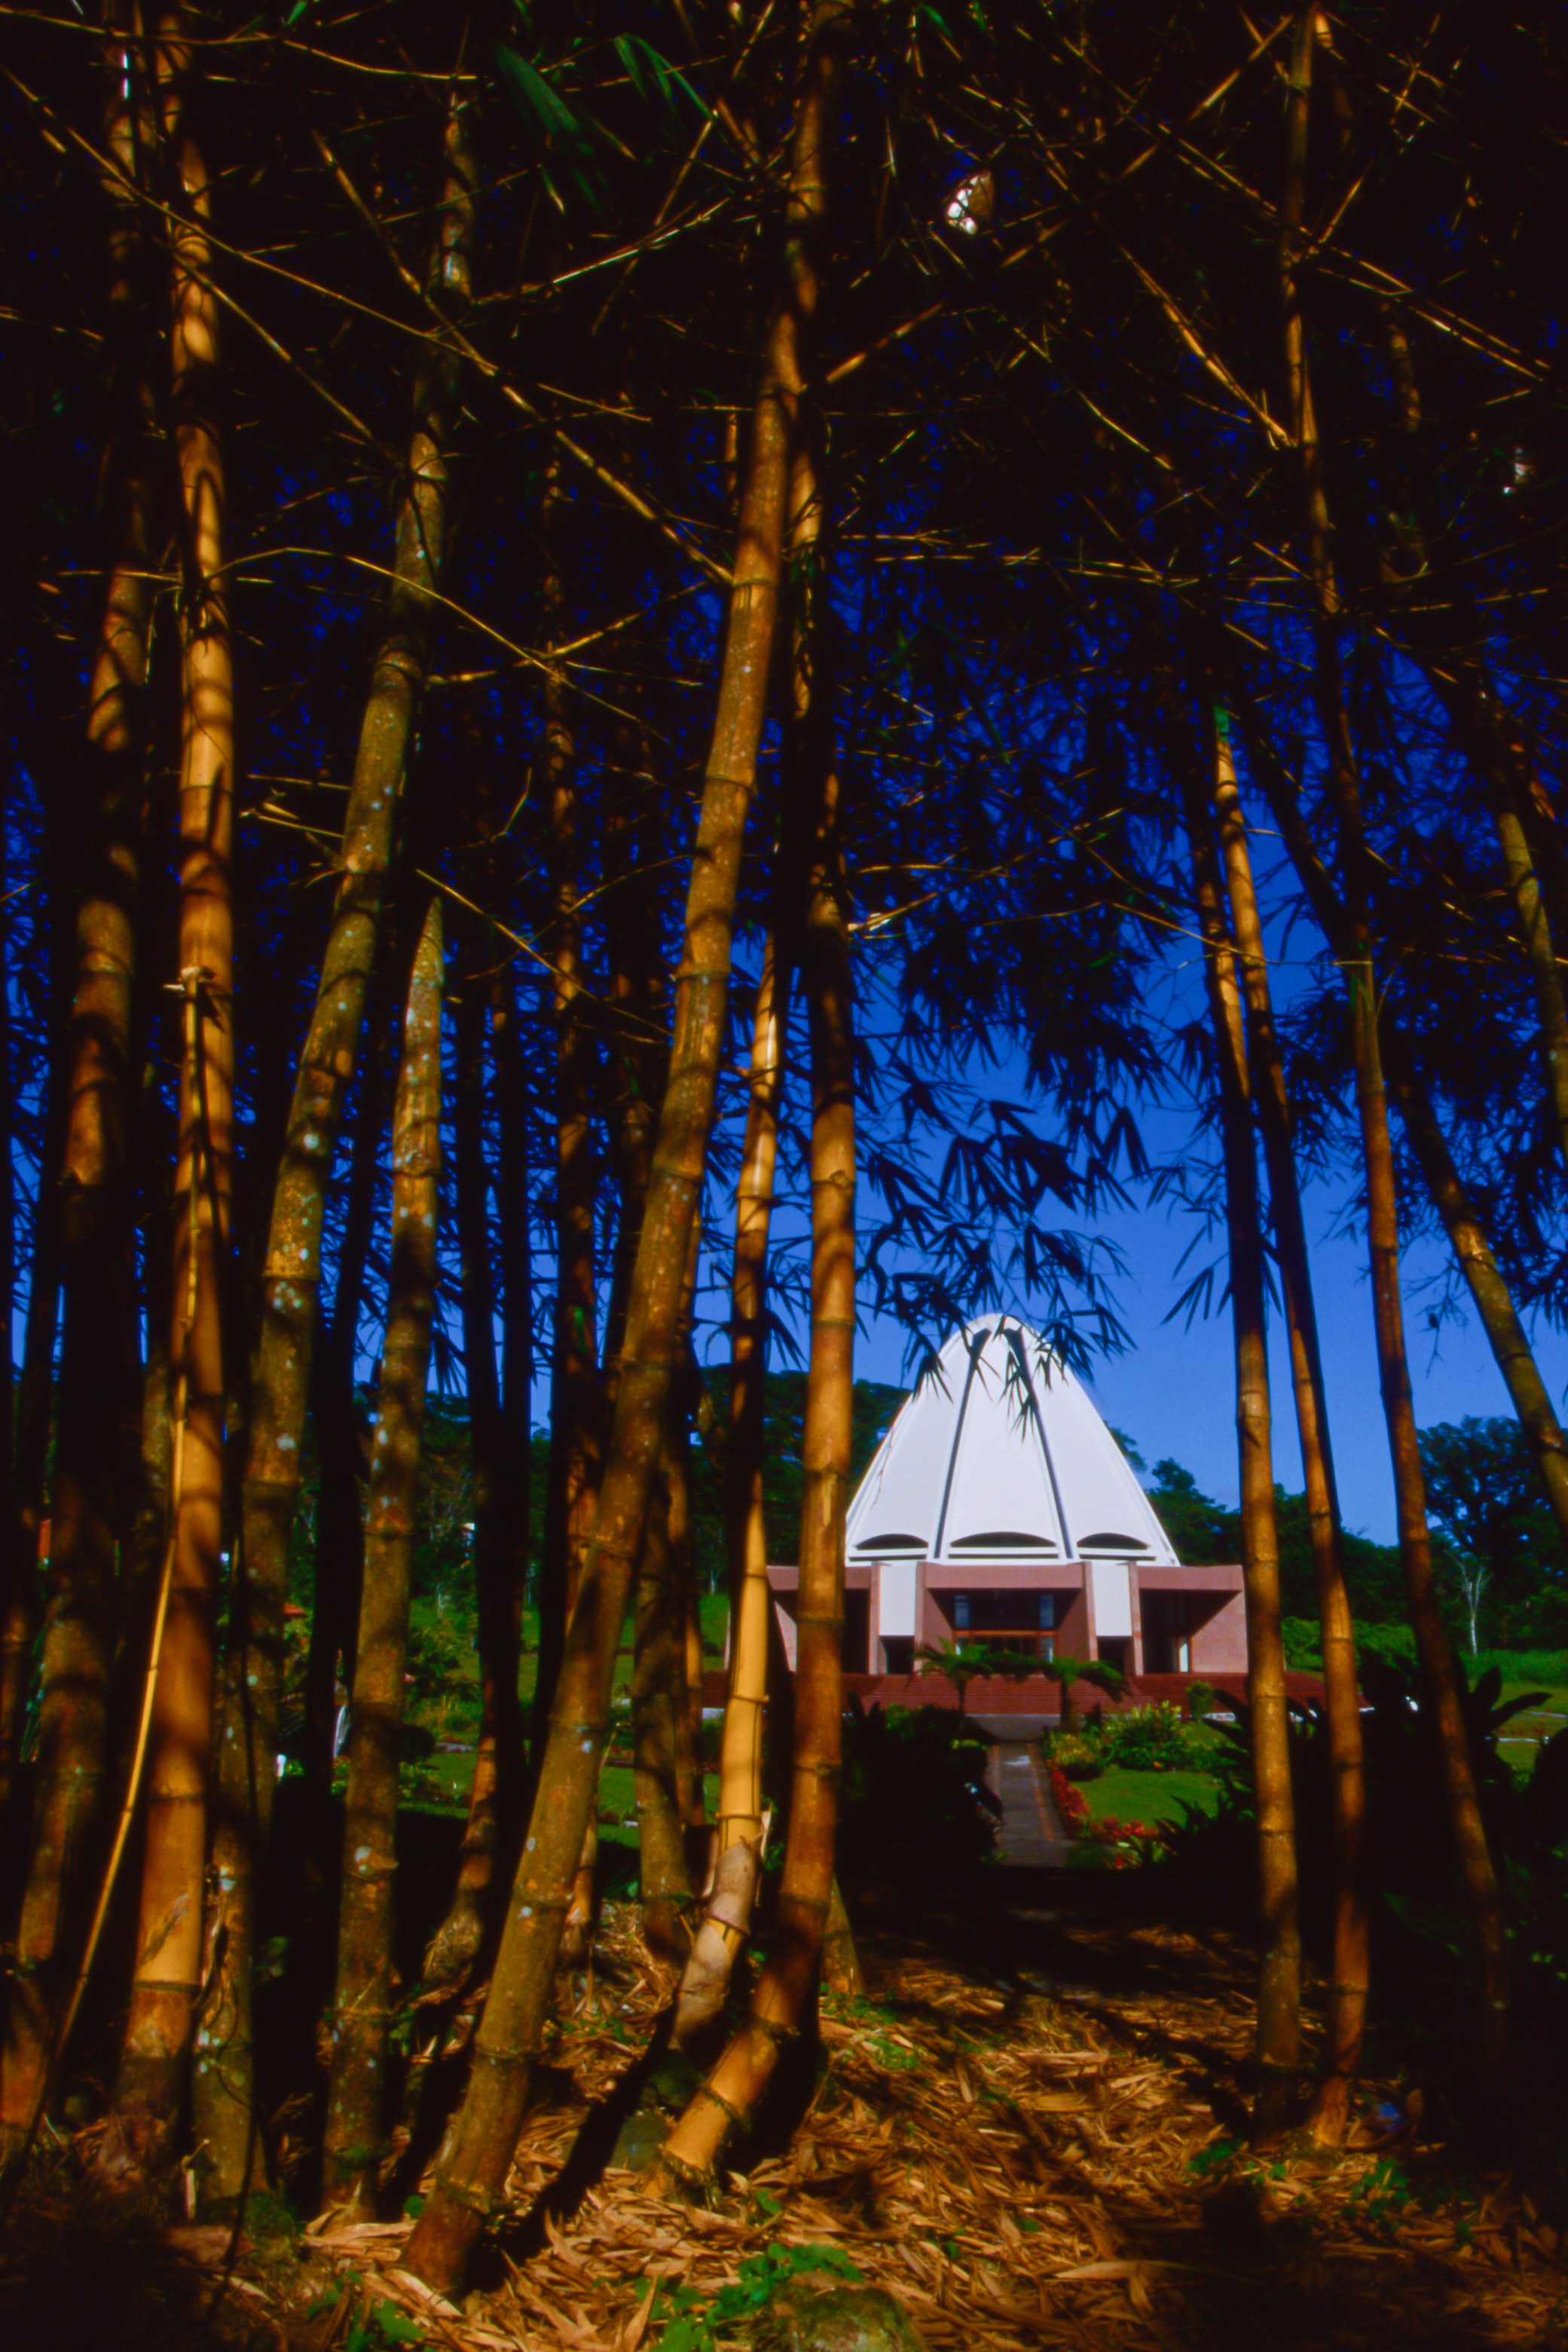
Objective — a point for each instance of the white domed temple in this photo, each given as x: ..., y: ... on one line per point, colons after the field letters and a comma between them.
x: 999, y: 1509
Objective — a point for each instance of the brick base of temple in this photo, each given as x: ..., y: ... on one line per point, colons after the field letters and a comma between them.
x: 1039, y: 1695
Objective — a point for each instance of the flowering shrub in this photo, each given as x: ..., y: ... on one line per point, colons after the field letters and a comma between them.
x: 1079, y: 1754
x: 1153, y: 1739
x: 1129, y: 1842
x: 1138, y: 1739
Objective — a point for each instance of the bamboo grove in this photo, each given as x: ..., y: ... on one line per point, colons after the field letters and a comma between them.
x: 605, y: 609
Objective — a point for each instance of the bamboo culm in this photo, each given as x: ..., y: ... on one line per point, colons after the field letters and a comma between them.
x: 362, y: 2007
x: 98, y: 1396
x: 168, y: 1942
x: 475, y: 2164
x: 807, y: 1888
x: 1352, y: 1961
x: 291, y: 1301
x: 1279, y: 1971
x: 499, y: 1754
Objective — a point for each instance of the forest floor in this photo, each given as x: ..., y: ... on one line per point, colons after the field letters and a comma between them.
x: 1031, y: 2131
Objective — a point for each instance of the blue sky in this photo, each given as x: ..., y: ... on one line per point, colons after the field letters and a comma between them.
x: 1173, y: 1392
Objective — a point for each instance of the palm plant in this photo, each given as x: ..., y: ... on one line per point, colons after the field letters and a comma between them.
x: 1069, y: 1672
x: 956, y: 1666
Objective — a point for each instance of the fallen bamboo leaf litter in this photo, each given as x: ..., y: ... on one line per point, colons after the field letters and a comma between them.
x: 1016, y: 2171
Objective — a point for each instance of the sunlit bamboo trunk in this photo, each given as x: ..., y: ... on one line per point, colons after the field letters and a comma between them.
x: 1346, y: 928
x: 362, y: 2006
x: 168, y: 1942
x: 1351, y: 1961
x: 290, y: 1305
x: 1461, y: 1221
x: 474, y: 2166
x: 1381, y: 1198
x: 97, y: 1398
x: 740, y: 1827
x: 725, y: 1924
x: 806, y: 1890
x: 1280, y: 1973
x: 751, y: 1602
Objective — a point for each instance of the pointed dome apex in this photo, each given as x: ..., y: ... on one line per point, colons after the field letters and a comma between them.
x: 999, y: 1455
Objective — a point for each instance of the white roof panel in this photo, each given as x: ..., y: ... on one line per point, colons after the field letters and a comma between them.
x: 999, y: 1454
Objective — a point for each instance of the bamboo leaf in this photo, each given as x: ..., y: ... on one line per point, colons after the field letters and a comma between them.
x: 540, y: 106
x: 641, y: 59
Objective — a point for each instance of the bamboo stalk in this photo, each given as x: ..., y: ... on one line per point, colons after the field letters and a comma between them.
x: 169, y: 1942
x: 474, y: 2166
x: 656, y: 1682
x: 1371, y: 1105
x: 339, y: 1547
x: 1461, y: 1221
x: 735, y: 2084
x: 362, y: 2007
x: 15, y: 2149
x: 291, y: 1301
x: 1279, y: 1971
x: 1331, y: 2105
x: 725, y: 1924
x: 577, y: 1389
x: 96, y: 1396
x: 498, y: 1754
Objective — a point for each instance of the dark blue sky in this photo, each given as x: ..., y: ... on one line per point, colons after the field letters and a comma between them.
x: 1173, y: 1391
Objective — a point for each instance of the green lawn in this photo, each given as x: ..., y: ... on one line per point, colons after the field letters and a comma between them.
x: 1528, y: 1732
x: 441, y: 1784
x: 1148, y: 1796
x: 617, y: 1795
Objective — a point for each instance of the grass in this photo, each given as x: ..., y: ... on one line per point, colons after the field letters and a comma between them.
x: 443, y: 1696
x: 1529, y: 1732
x: 618, y: 1795
x: 1124, y: 1796
x: 441, y: 1784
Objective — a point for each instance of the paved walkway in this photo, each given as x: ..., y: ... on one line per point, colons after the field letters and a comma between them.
x: 1031, y: 1836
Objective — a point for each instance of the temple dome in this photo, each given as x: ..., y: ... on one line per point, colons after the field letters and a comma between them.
x: 999, y: 1455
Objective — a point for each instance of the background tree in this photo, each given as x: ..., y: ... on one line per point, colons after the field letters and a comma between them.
x: 1486, y: 1500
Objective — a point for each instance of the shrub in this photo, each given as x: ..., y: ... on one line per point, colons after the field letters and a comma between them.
x: 1418, y: 1920
x: 441, y: 1679
x: 915, y: 1800
x: 1154, y: 1739
x: 1079, y: 1754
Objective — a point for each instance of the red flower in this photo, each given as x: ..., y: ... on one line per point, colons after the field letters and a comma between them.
x: 1129, y: 1836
